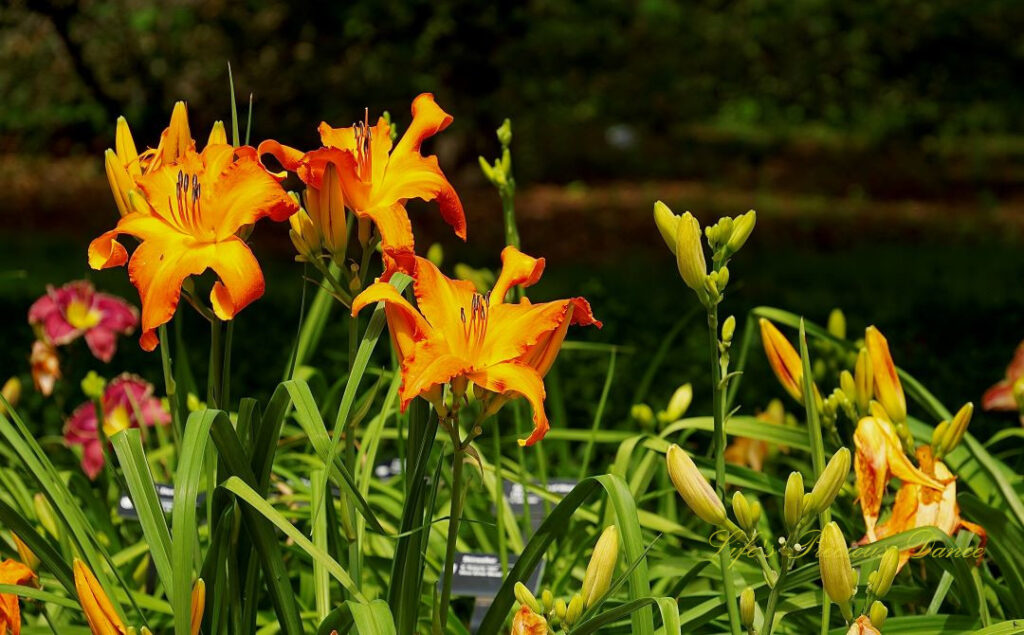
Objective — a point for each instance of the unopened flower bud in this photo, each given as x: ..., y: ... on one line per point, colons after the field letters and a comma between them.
x: 198, y: 605
x: 93, y: 385
x: 881, y: 579
x: 888, y: 388
x: 176, y: 138
x: 742, y: 226
x: 728, y: 329
x: 99, y: 612
x: 559, y: 609
x: 954, y: 433
x: 864, y: 380
x: 328, y: 213
x: 305, y: 237
x: 877, y: 614
x: 793, y: 503
x: 44, y: 514
x: 25, y: 554
x: 783, y: 358
x: 678, y: 404
x: 693, y: 487
x: 667, y: 223
x: 218, y: 135
x: 742, y: 511
x: 837, y: 324
x: 526, y: 597
x: 11, y: 393
x: 642, y: 414
x: 837, y: 576
x: 848, y: 385
x: 574, y: 610
x: 831, y: 480
x: 748, y: 608
x: 505, y: 133
x: 723, y: 278
x: 690, y: 253
x: 602, y: 567
x: 547, y: 600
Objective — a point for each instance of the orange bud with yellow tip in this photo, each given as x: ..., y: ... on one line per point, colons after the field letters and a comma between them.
x: 198, y: 605
x: 784, y: 359
x: 103, y: 618
x: 25, y: 554
x: 177, y: 138
x: 124, y: 145
x: 888, y: 389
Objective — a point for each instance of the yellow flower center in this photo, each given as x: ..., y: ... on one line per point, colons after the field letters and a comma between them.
x: 116, y: 420
x: 81, y: 315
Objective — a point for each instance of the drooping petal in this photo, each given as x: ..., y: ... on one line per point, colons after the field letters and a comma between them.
x: 242, y: 193
x: 428, y: 119
x: 516, y: 269
x: 290, y: 158
x: 430, y: 365
x: 513, y: 377
x: 395, y: 229
x: 105, y: 252
x: 157, y: 269
x: 102, y: 343
x: 405, y: 323
x: 413, y: 176
x: 241, y: 280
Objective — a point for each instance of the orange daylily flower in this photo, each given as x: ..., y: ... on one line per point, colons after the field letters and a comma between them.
x: 526, y: 622
x: 752, y: 452
x: 918, y: 506
x: 1000, y: 396
x: 99, y: 611
x: 12, y: 572
x: 879, y: 457
x: 458, y: 334
x: 888, y: 389
x: 190, y: 212
x: 378, y: 178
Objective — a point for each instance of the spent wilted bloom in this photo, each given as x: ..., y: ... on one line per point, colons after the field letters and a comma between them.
x: 863, y: 626
x: 186, y: 220
x: 127, y: 402
x: 526, y: 622
x: 378, y: 177
x: 99, y: 611
x: 693, y: 487
x: 456, y: 334
x: 879, y: 457
x: 76, y: 310
x: 45, y: 366
x: 888, y: 388
x: 14, y: 573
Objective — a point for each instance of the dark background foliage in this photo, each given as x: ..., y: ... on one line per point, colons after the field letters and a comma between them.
x: 881, y: 142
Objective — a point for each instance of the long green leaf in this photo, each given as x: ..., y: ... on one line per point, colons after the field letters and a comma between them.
x: 183, y: 513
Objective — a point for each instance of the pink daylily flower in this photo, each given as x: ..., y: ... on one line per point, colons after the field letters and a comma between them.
x: 128, y: 402
x: 1000, y: 396
x: 76, y: 309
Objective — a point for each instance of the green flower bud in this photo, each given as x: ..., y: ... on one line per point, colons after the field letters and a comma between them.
x: 728, y: 329
x: 743, y: 512
x: 678, y: 404
x: 574, y: 610
x: 748, y: 608
x: 526, y: 598
x: 93, y: 385
x: 864, y: 381
x: 837, y: 323
x: 877, y: 614
x: 832, y: 479
x: 793, y: 503
x: 837, y: 576
x: 547, y: 600
x: 742, y: 226
x: 668, y: 224
x: 693, y: 487
x: 559, y: 610
x: 955, y: 431
x: 505, y: 133
x: 881, y: 580
x: 848, y: 385
x: 690, y: 253
x: 723, y: 278
x: 44, y: 514
x: 435, y: 254
x: 602, y: 567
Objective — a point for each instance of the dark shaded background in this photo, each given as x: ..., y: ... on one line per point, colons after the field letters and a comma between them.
x: 882, y: 144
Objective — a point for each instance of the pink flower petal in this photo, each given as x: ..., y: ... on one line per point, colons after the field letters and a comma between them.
x: 41, y: 309
x: 999, y: 397
x: 102, y: 342
x: 92, y: 459
x: 81, y: 425
x: 117, y: 314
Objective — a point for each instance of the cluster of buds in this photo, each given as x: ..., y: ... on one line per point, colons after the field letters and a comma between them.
x: 548, y: 613
x: 500, y: 172
x: 800, y: 509
x: 321, y: 224
x: 948, y: 434
x: 682, y: 234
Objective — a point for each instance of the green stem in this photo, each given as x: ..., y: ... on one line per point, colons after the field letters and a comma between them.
x: 773, y: 598
x: 458, y: 458
x: 728, y: 588
x: 354, y: 548
x: 215, y: 381
x: 170, y: 387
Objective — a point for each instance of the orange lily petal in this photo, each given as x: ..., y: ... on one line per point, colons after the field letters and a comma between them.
x: 395, y: 229
x: 516, y: 269
x: 241, y: 280
x: 514, y: 377
x: 15, y: 573
x: 444, y: 302
x: 887, y: 382
x: 405, y: 323
x: 784, y: 359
